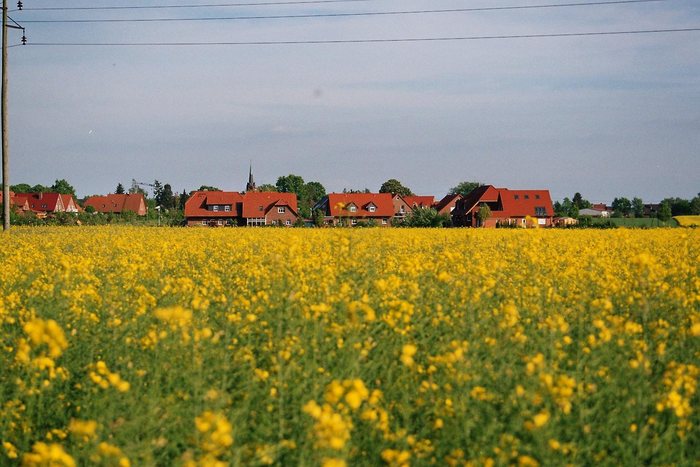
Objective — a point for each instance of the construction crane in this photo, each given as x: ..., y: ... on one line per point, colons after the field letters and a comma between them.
x: 136, y: 185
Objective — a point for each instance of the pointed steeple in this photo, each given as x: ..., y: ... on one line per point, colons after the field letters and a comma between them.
x: 251, y: 183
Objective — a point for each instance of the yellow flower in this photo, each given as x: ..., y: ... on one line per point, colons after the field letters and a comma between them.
x: 49, y: 455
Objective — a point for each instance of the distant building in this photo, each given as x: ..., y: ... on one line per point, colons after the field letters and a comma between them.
x: 118, y: 204
x: 593, y: 213
x: 250, y: 186
x: 227, y: 208
x: 18, y: 204
x: 447, y: 204
x: 42, y: 204
x: 508, y: 207
x: 352, y: 209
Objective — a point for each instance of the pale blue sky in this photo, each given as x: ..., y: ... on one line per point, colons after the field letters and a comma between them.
x: 606, y: 116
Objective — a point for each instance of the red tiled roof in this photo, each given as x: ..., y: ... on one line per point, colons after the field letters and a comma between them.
x: 482, y: 194
x: 383, y: 202
x: 117, y: 203
x: 196, y: 205
x: 15, y: 201
x: 41, y: 202
x: 521, y: 203
x: 446, y: 201
x: 257, y: 203
x: 419, y: 201
x: 67, y: 200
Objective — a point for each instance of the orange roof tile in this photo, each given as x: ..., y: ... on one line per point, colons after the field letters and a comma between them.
x: 257, y: 203
x: 339, y: 204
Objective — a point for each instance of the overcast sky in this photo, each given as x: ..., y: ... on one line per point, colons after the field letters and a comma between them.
x: 606, y: 116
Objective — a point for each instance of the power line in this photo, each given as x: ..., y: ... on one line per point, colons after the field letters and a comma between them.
x: 206, y: 5
x: 358, y: 41
x: 353, y: 14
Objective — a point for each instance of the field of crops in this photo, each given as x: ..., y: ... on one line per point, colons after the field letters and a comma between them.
x: 139, y: 346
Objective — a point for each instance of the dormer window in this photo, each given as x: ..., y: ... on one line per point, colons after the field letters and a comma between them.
x: 371, y: 208
x: 352, y: 208
x: 215, y: 208
x: 227, y: 208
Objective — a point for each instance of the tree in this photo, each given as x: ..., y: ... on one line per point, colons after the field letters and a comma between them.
x: 120, y: 189
x: 395, y: 187
x: 464, y: 188
x: 318, y: 217
x: 21, y: 188
x: 63, y: 187
x: 352, y: 190
x: 208, y: 188
x: 621, y: 207
x: 664, y: 214
x: 183, y: 199
x: 167, y: 198
x: 565, y: 209
x: 290, y: 184
x: 426, y: 217
x: 39, y: 189
x: 638, y: 207
x: 267, y: 187
x: 313, y: 192
x: 695, y: 205
x: 579, y: 202
x: 483, y: 213
x: 679, y: 206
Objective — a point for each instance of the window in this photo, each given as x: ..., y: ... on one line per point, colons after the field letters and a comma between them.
x: 537, y: 196
x: 527, y: 196
x: 204, y: 222
x: 352, y: 209
x: 354, y: 222
x: 516, y: 196
x: 384, y: 221
x: 540, y: 211
x: 280, y: 210
x: 288, y: 222
x: 371, y: 208
x: 402, y: 209
x: 227, y: 208
x: 219, y: 222
x: 215, y: 208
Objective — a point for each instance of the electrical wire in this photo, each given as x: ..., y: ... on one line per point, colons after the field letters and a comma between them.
x: 358, y: 41
x: 206, y: 5
x: 341, y: 15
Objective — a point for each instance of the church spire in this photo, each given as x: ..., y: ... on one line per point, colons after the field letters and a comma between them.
x: 251, y: 183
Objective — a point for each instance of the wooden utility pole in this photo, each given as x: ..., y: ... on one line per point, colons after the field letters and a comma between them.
x: 5, y: 146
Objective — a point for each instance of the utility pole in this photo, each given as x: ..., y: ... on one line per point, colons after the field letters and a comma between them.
x: 6, y: 202
x: 5, y: 146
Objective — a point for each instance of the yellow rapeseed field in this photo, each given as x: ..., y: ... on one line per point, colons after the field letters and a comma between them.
x: 195, y: 347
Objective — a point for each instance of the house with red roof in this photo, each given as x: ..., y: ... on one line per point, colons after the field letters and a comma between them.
x: 269, y: 208
x: 42, y: 203
x: 524, y: 208
x: 118, y: 203
x: 221, y: 208
x: 19, y: 205
x: 447, y: 204
x: 213, y: 208
x: 404, y: 205
x: 70, y: 205
x: 351, y: 209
